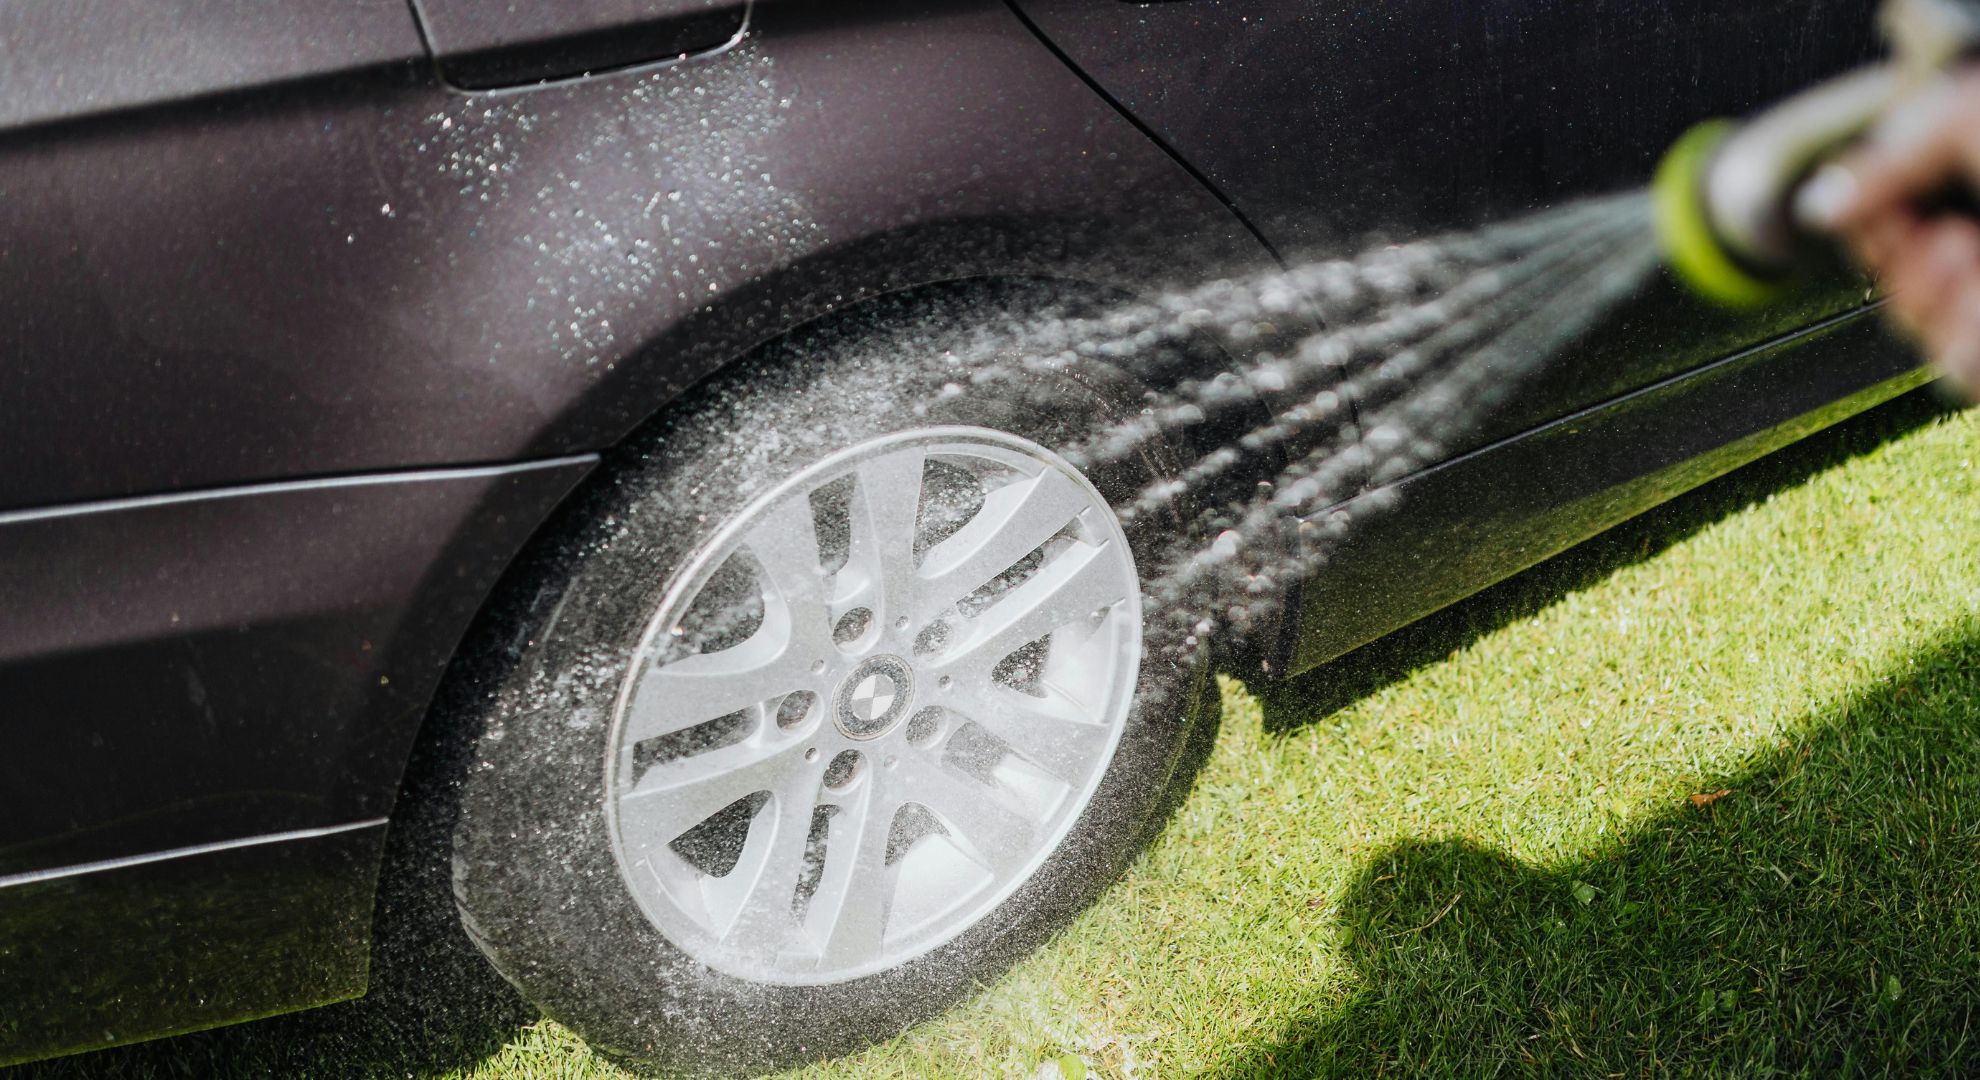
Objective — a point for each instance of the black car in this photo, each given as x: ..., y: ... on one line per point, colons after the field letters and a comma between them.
x: 585, y: 369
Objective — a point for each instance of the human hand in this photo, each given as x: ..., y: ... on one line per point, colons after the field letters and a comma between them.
x: 1879, y: 200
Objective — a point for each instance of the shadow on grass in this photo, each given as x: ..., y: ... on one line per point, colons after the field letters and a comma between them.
x: 1333, y: 686
x: 1822, y: 919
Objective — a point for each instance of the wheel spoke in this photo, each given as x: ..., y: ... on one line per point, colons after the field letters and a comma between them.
x: 766, y: 874
x: 675, y: 796
x: 1079, y: 581
x: 1012, y: 522
x: 785, y: 544
x: 696, y: 689
x: 886, y: 507
x: 856, y: 890
x: 996, y: 836
x: 1047, y: 730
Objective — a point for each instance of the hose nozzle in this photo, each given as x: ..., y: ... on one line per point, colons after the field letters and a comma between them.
x: 1724, y: 194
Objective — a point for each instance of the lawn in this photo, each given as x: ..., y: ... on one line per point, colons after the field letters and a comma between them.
x: 1699, y: 798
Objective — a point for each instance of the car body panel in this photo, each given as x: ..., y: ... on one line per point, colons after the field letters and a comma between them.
x: 214, y: 666
x: 379, y: 272
x: 138, y: 948
x: 72, y: 58
x: 1328, y: 125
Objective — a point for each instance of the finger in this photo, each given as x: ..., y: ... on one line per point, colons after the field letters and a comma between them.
x: 1961, y: 368
x: 1909, y: 283
x: 1876, y: 239
x: 1922, y: 146
x: 1955, y: 349
x: 1930, y: 276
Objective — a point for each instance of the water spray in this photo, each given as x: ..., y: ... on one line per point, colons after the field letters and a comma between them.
x: 1725, y: 195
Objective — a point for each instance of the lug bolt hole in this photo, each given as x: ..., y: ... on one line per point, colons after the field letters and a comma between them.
x: 795, y: 707
x: 811, y: 754
x: 932, y: 639
x: 926, y: 726
x: 852, y: 626
x: 946, y: 681
x: 843, y: 770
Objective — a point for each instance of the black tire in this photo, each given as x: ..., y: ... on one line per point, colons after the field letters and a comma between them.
x: 534, y: 876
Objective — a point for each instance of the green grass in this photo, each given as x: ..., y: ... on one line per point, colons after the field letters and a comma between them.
x: 1473, y: 850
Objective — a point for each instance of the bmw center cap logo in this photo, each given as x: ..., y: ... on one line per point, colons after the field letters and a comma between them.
x: 873, y: 697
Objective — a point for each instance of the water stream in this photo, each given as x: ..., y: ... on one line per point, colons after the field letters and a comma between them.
x: 1421, y: 341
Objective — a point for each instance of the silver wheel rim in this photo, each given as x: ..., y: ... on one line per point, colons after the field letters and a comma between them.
x: 873, y: 705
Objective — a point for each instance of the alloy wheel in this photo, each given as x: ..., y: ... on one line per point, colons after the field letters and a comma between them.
x: 872, y: 705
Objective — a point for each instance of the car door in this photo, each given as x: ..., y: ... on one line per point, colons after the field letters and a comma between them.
x: 1328, y: 125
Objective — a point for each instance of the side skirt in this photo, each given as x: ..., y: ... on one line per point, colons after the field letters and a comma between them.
x: 137, y: 948
x: 1458, y: 527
